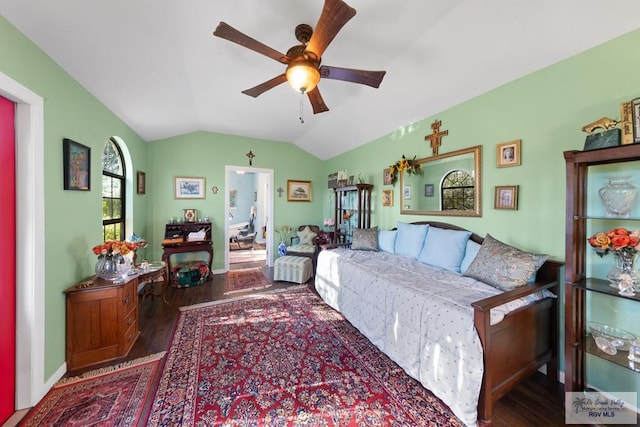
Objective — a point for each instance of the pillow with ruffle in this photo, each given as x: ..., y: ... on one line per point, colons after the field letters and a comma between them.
x: 306, y: 236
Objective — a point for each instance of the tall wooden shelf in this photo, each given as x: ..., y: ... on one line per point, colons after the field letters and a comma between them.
x: 353, y: 201
x: 577, y: 284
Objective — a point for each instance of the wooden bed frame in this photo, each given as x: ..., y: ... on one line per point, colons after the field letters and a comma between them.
x: 522, y: 342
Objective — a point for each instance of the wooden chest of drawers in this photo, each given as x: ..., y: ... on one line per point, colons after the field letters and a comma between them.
x: 102, y: 321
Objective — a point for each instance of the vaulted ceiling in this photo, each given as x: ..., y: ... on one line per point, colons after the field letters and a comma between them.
x: 158, y: 67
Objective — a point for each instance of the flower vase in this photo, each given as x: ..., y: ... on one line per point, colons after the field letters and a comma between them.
x: 624, y: 275
x: 107, y: 267
x: 282, y: 249
x: 618, y: 196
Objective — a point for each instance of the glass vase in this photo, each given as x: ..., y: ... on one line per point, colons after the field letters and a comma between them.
x: 623, y: 275
x: 107, y: 267
x: 618, y: 196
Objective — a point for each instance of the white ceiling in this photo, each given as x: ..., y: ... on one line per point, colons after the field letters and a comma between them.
x: 158, y: 67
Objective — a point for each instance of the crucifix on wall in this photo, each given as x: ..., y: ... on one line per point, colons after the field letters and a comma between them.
x: 436, y: 136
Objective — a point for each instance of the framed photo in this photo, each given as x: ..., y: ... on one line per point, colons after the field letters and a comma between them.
x: 351, y: 180
x: 189, y: 215
x: 298, y: 191
x: 506, y: 197
x: 635, y: 111
x: 189, y: 187
x: 141, y: 182
x: 407, y: 192
x: 387, y: 197
x: 386, y: 177
x: 508, y: 154
x: 77, y: 165
x: 428, y: 190
x: 332, y: 180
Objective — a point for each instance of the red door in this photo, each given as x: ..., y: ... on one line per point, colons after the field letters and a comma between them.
x: 7, y: 260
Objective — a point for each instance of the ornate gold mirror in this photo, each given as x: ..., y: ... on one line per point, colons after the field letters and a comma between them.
x: 450, y: 185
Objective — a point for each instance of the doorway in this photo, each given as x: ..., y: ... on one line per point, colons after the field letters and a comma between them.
x: 248, y: 213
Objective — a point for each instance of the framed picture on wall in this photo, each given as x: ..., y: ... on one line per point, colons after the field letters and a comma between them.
x: 428, y: 190
x: 407, y: 192
x: 387, y: 197
x: 141, y: 182
x: 77, y: 165
x: 233, y: 198
x: 508, y: 154
x: 387, y: 179
x: 298, y: 191
x: 506, y: 197
x: 189, y: 187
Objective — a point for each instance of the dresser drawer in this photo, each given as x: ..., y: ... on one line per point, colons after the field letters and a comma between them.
x: 129, y: 296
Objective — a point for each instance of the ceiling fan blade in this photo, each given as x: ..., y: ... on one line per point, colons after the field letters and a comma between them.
x: 263, y: 87
x: 369, y: 78
x: 335, y: 14
x: 317, y: 102
x: 227, y: 32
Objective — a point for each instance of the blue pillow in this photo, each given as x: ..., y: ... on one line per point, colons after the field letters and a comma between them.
x: 387, y: 240
x: 410, y: 239
x: 469, y: 255
x: 444, y: 248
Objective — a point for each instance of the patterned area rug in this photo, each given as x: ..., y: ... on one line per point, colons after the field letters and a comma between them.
x: 284, y: 358
x: 246, y: 279
x: 113, y: 396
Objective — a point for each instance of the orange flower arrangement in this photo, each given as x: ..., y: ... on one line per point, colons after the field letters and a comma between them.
x: 618, y: 240
x: 115, y: 247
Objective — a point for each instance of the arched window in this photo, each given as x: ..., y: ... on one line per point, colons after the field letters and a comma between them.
x: 113, y: 192
x: 458, y: 191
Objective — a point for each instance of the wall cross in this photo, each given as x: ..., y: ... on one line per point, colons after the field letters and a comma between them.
x: 436, y: 136
x: 250, y: 155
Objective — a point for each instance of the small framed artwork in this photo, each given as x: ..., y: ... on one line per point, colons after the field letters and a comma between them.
x: 387, y: 197
x: 351, y: 180
x: 386, y: 177
x: 189, y: 187
x: 141, y: 182
x: 506, y: 197
x: 508, y: 154
x: 77, y: 165
x: 407, y: 192
x: 635, y: 107
x: 298, y: 191
x: 428, y: 190
x: 189, y: 215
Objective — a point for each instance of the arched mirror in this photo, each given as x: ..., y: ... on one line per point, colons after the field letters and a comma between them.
x: 450, y: 185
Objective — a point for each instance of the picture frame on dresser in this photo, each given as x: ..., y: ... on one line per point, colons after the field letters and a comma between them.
x: 76, y: 166
x: 189, y: 187
x: 635, y: 109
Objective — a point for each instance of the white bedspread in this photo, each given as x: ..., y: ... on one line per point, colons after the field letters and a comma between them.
x: 418, y: 315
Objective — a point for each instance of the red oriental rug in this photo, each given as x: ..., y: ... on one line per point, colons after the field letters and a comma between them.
x: 246, y: 279
x: 112, y: 396
x: 284, y: 358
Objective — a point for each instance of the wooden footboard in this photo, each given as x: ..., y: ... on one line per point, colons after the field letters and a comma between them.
x: 524, y: 341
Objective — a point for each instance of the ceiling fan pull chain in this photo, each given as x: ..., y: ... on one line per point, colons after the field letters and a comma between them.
x: 301, y: 106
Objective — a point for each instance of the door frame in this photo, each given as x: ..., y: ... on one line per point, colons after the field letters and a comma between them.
x: 228, y: 169
x: 30, y: 255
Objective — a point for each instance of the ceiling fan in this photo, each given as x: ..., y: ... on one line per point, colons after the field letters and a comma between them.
x: 303, y: 61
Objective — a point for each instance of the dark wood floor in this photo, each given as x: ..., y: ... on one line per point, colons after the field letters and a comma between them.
x: 535, y: 402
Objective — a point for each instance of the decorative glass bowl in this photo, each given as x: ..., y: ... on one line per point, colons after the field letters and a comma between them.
x: 619, y: 338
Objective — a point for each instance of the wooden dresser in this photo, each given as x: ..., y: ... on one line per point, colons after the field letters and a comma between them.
x: 102, y: 321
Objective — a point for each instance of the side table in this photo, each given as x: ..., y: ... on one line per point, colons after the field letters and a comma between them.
x: 152, y: 276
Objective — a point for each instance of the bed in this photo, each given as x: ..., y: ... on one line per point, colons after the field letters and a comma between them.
x: 467, y: 342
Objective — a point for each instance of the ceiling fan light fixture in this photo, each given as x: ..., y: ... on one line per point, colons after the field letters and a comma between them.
x: 303, y: 76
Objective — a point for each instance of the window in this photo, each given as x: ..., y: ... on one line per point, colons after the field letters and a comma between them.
x: 458, y: 191
x: 113, y: 192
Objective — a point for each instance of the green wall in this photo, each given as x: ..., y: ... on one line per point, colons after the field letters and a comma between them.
x: 546, y: 110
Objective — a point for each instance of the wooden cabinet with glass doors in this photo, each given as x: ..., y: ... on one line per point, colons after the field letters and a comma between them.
x: 591, y: 300
x: 352, y: 210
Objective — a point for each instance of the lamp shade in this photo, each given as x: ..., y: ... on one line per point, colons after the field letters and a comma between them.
x: 303, y: 76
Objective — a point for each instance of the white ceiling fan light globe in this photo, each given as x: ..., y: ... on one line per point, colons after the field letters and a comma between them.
x: 303, y: 76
